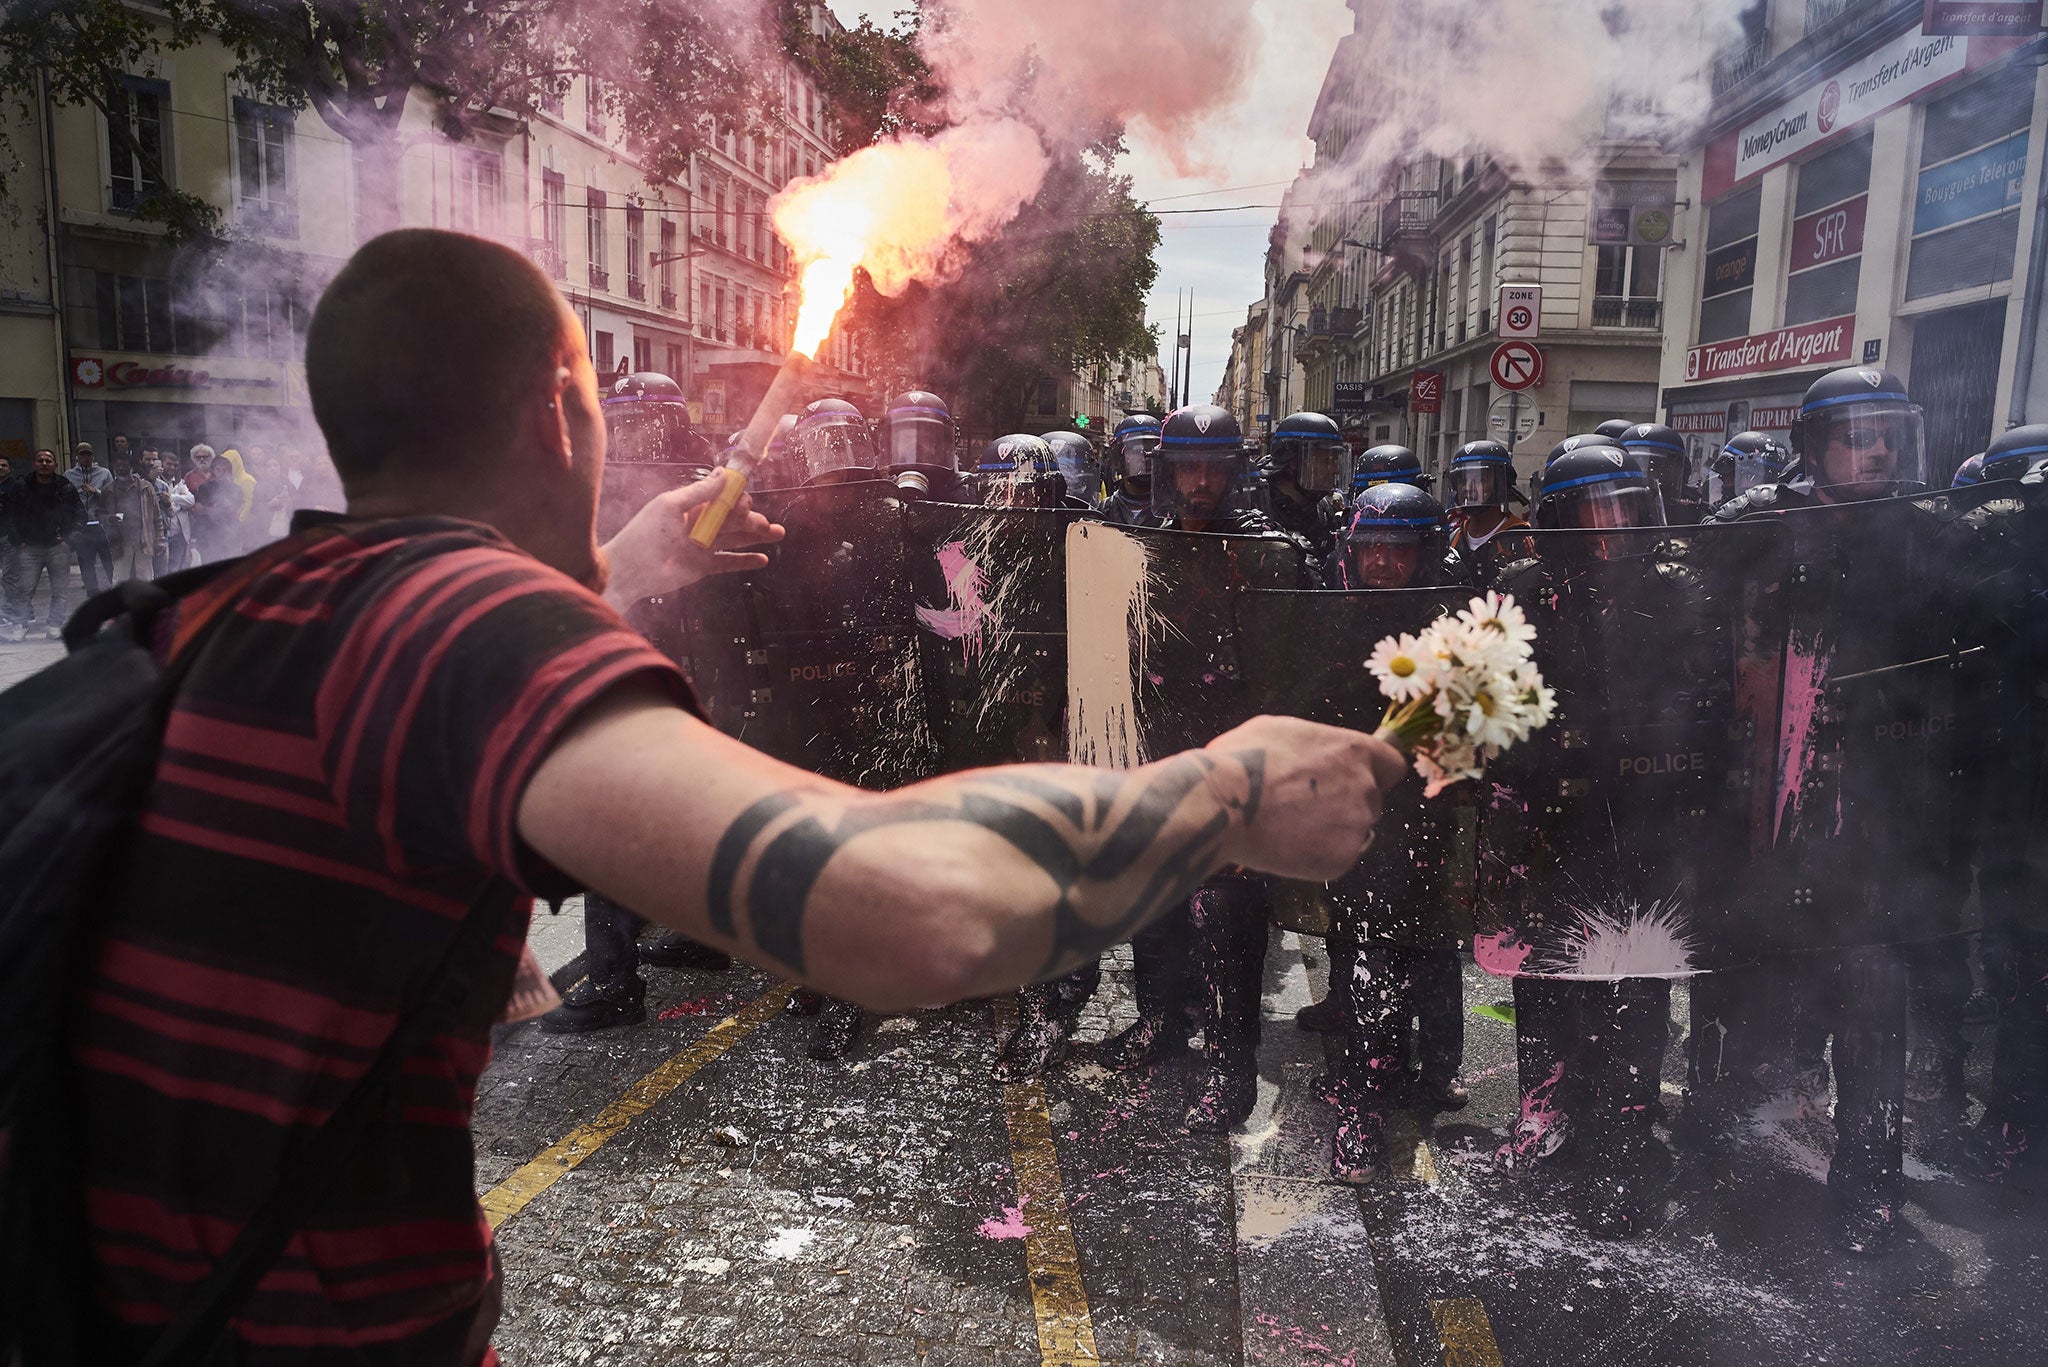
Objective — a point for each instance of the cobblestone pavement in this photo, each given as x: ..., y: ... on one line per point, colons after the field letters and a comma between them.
x: 771, y: 1209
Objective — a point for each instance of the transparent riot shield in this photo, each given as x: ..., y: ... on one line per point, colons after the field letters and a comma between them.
x: 1304, y: 655
x: 991, y: 612
x: 1612, y: 843
x: 1154, y: 663
x: 814, y: 659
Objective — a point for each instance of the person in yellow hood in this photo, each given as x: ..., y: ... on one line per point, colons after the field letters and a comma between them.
x: 239, y: 531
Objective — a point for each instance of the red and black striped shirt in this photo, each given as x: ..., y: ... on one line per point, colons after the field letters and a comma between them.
x: 338, y: 788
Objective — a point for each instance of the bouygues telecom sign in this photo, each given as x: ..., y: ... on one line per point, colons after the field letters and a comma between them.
x: 1823, y: 343
x: 1901, y: 70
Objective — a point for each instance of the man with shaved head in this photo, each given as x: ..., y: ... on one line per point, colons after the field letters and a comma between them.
x: 408, y: 721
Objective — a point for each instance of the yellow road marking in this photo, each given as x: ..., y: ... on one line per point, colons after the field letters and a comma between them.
x: 1066, y: 1331
x: 512, y: 1195
x: 1424, y: 1169
x: 1465, y: 1333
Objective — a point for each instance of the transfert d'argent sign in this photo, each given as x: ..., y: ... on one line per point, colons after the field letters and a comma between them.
x: 1828, y: 341
x: 1902, y: 69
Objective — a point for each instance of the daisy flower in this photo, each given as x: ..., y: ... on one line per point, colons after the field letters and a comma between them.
x: 1405, y: 667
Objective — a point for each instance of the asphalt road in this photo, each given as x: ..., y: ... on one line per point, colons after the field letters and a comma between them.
x: 695, y: 1192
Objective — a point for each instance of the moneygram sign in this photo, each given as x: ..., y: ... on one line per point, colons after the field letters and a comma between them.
x: 1903, y: 69
x: 1826, y: 342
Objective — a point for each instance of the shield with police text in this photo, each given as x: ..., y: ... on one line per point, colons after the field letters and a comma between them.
x: 1303, y: 655
x: 1154, y: 663
x: 1905, y: 621
x: 814, y: 659
x: 991, y: 611
x: 1609, y: 840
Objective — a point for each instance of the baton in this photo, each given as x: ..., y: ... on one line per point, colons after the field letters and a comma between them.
x: 739, y: 467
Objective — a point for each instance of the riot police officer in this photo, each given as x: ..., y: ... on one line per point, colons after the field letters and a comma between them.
x: 1477, y: 488
x: 1074, y: 457
x: 1388, y: 463
x: 1751, y: 459
x: 1018, y: 471
x: 1858, y: 435
x: 916, y: 438
x: 1663, y: 455
x: 1309, y: 461
x: 1613, y: 430
x: 1969, y: 472
x: 831, y: 444
x: 1395, y: 540
x: 1132, y: 450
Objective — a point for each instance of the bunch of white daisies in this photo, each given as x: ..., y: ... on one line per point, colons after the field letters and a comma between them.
x: 1462, y: 691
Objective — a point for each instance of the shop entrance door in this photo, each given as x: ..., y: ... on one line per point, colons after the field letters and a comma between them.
x: 1955, y: 379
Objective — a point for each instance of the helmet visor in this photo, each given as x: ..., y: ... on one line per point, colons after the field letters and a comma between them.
x: 1865, y: 450
x: 829, y: 444
x: 647, y: 431
x: 1196, y: 486
x: 1753, y: 468
x: 1082, y: 479
x: 919, y: 439
x: 1324, y: 465
x: 1383, y: 557
x: 1613, y: 504
x: 1135, y: 452
x: 1011, y: 486
x: 1479, y: 485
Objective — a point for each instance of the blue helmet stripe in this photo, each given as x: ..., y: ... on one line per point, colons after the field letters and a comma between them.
x: 1205, y: 443
x: 1477, y: 459
x: 1991, y: 456
x: 1874, y: 396
x: 1604, y: 477
x: 1645, y: 442
x: 1363, y: 521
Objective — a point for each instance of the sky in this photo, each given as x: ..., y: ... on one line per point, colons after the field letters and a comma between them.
x: 1249, y: 154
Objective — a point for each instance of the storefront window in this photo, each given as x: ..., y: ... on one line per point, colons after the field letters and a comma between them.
x: 1730, y: 283
x: 1826, y: 259
x: 1973, y: 159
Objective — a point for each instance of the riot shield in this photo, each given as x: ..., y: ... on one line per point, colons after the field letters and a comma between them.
x: 1154, y: 664
x: 1304, y: 656
x: 1610, y: 843
x: 1899, y: 664
x: 814, y: 660
x: 991, y: 593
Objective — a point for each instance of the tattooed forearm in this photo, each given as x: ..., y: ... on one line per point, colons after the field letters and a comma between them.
x: 1117, y: 848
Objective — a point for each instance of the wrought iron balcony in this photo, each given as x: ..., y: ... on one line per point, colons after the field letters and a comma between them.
x: 1741, y: 60
x: 635, y: 289
x: 600, y: 278
x: 1616, y: 312
x: 668, y: 298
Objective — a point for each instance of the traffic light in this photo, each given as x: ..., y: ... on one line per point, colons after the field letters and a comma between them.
x: 1080, y: 420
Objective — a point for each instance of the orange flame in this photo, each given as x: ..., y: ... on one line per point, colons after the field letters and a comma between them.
x: 902, y: 211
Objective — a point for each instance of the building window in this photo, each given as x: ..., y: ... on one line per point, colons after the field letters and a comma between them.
x: 594, y: 209
x: 760, y: 339
x: 673, y: 354
x: 643, y: 352
x: 668, y: 263
x: 136, y: 314
x: 1628, y: 282
x: 593, y: 106
x: 636, y: 252
x: 479, y: 192
x: 718, y: 324
x: 135, y: 140
x: 1730, y: 283
x: 1827, y: 234
x: 704, y: 309
x: 724, y: 210
x: 1966, y: 210
x: 265, y: 189
x: 741, y: 334
x: 602, y: 354
x: 263, y: 322
x: 554, y: 222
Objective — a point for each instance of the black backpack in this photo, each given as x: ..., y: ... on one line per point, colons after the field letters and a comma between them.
x: 80, y: 742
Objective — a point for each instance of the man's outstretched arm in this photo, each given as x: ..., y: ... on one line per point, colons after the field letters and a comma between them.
x: 957, y: 887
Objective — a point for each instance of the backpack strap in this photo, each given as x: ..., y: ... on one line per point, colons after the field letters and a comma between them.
x: 313, y: 1164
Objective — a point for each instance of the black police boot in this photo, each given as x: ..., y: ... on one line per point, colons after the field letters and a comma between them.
x: 1327, y: 1016
x: 1439, y: 990
x: 1359, y: 1156
x: 1159, y: 972
x: 1623, y: 1027
x: 1865, y: 1175
x: 838, y: 1026
x: 1993, y: 1149
x: 1546, y: 1031
x: 804, y: 1001
x: 1230, y: 927
x: 1039, y: 1039
x: 591, y: 1005
x: 676, y: 950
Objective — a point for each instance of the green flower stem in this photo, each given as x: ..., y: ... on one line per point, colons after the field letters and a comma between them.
x: 1407, y: 724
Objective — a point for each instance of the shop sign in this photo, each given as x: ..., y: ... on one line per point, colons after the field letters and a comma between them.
x: 1731, y: 269
x: 1634, y: 213
x: 1777, y: 419
x: 1350, y: 396
x: 1705, y: 423
x: 1827, y: 341
x: 1426, y: 392
x: 1902, y: 69
x: 1984, y: 182
x: 97, y: 372
x: 1829, y: 235
x: 1990, y: 18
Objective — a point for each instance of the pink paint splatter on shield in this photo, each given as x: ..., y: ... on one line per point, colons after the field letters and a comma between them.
x: 1501, y: 954
x: 1806, y: 678
x: 1010, y: 1226
x: 967, y: 584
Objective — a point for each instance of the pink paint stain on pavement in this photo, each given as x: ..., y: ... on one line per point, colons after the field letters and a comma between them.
x: 1010, y: 1226
x: 1301, y: 1341
x: 682, y: 1009
x: 967, y: 584
x: 1500, y: 954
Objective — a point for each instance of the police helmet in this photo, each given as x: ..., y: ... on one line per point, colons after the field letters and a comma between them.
x: 1015, y: 471
x: 1859, y: 432
x: 1597, y: 486
x: 916, y: 431
x: 1074, y: 456
x: 830, y: 444
x: 2013, y: 453
x: 1133, y: 447
x: 1969, y: 472
x: 1614, y: 429
x: 1201, y: 462
x: 1757, y: 460
x: 647, y: 421
x: 1388, y: 464
x: 1394, y: 538
x: 1309, y: 447
x: 1663, y: 456
x: 1571, y: 444
x: 1482, y: 475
